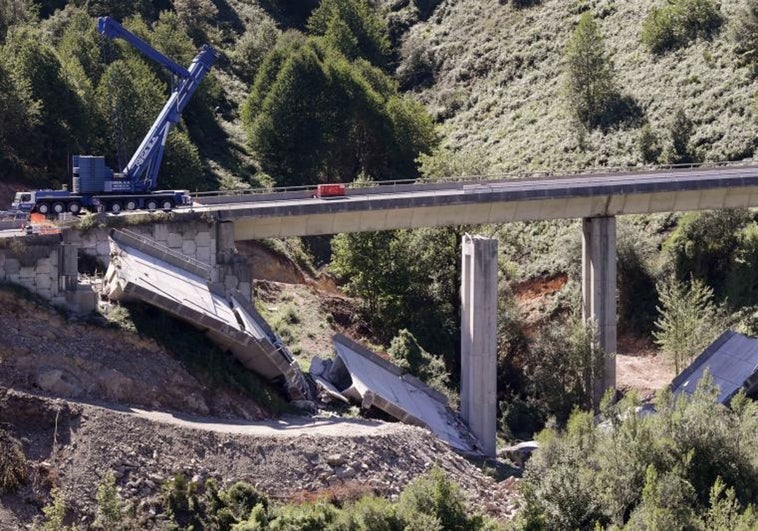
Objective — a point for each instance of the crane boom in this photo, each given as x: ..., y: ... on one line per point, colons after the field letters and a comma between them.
x: 95, y: 186
x: 142, y: 169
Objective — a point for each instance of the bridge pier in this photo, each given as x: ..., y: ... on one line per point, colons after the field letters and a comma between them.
x: 479, y: 339
x: 599, y: 291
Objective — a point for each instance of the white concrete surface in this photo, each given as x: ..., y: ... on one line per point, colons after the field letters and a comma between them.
x: 599, y: 291
x: 377, y: 383
x: 479, y: 339
x: 225, y: 316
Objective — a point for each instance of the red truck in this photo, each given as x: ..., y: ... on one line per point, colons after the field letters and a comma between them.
x: 324, y: 191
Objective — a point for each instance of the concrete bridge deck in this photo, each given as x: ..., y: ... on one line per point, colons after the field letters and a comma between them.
x: 143, y: 270
x: 383, y: 207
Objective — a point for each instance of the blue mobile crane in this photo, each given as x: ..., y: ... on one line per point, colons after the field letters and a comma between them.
x: 96, y: 186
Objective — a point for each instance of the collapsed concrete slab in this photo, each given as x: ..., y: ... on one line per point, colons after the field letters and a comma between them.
x: 361, y: 376
x: 731, y: 360
x: 141, y: 269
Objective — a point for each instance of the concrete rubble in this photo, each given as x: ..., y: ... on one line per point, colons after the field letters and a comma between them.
x: 141, y: 269
x: 358, y: 375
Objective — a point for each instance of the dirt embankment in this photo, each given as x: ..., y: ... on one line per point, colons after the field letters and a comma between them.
x: 73, y: 445
x: 41, y: 351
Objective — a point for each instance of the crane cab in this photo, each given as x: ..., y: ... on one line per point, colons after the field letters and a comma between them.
x: 24, y: 201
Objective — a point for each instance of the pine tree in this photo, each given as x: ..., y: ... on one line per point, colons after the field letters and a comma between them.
x: 590, y: 83
x: 688, y: 321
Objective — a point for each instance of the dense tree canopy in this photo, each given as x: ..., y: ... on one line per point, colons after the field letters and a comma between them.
x: 685, y: 467
x: 320, y: 109
x: 71, y: 91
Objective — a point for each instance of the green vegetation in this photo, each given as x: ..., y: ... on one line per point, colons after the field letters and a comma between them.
x: 433, y: 502
x: 682, y: 468
x: 54, y: 514
x: 67, y: 90
x: 109, y: 507
x: 12, y: 463
x: 590, y: 84
x: 704, y: 247
x: 679, y: 22
x: 745, y: 33
x: 407, y: 354
x: 689, y: 320
x: 321, y: 109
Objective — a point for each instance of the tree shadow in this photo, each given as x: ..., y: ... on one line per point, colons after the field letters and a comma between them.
x: 622, y: 112
x: 290, y: 14
x: 214, y: 143
x: 228, y: 17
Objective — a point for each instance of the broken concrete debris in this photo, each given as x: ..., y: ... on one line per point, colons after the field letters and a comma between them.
x: 357, y: 374
x: 145, y: 270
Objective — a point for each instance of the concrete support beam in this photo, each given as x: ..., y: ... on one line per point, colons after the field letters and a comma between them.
x: 479, y: 339
x: 599, y: 291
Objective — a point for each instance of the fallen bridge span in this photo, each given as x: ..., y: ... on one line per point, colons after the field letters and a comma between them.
x: 141, y: 269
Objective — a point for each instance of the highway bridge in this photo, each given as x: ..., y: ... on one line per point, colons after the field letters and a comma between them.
x: 596, y: 198
x: 206, y: 232
x: 395, y: 205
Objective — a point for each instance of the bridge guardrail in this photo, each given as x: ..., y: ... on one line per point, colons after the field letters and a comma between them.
x: 400, y: 185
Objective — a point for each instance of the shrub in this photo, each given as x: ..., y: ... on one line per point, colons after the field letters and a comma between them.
x: 689, y: 320
x: 241, y: 498
x: 109, y: 506
x: 253, y: 46
x: 652, y: 472
x: 433, y: 501
x: 180, y: 500
x: 741, y: 284
x: 408, y: 354
x: 649, y: 145
x: 704, y: 244
x: 374, y: 514
x: 307, y: 517
x: 680, y: 22
x: 680, y: 131
x: 55, y: 513
x: 417, y: 67
x: 12, y: 463
x: 744, y: 33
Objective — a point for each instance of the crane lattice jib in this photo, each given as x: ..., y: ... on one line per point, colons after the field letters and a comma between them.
x: 143, y: 167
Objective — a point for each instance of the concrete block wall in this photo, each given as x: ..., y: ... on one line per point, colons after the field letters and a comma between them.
x: 195, y: 239
x: 34, y: 263
x: 48, y: 265
x: 208, y: 243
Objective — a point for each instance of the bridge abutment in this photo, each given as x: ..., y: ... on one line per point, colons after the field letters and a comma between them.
x: 479, y: 339
x: 599, y: 292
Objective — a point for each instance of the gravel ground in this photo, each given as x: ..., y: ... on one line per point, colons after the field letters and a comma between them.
x: 72, y: 445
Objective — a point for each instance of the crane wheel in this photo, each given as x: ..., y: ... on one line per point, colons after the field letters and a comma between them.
x: 115, y: 207
x: 43, y: 208
x: 59, y: 208
x: 131, y: 205
x: 168, y: 204
x: 74, y: 208
x: 152, y: 204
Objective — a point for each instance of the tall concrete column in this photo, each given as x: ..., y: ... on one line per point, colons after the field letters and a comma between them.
x: 599, y: 290
x: 479, y: 339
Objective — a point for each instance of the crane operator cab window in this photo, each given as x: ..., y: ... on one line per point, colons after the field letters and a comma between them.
x: 23, y: 201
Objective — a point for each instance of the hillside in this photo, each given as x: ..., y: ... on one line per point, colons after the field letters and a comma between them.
x: 498, y: 84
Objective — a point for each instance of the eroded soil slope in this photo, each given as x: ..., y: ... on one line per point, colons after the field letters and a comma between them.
x: 73, y: 445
